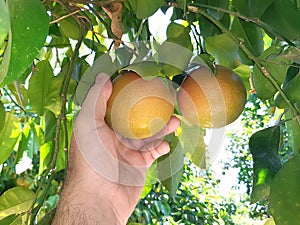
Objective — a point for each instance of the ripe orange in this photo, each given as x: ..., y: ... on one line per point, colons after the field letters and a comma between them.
x: 139, y: 108
x: 212, y: 101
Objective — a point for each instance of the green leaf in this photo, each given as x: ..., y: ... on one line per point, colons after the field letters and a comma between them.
x: 2, y: 116
x: 146, y: 69
x: 29, y: 141
x: 19, y: 90
x: 50, y: 125
x: 9, y: 136
x: 264, y: 146
x: 95, y: 46
x: 144, y: 9
x: 293, y: 129
x: 284, y: 194
x: 293, y: 54
x: 103, y: 64
x: 15, y: 200
x: 252, y: 8
x: 70, y: 27
x: 258, y: 7
x: 179, y: 41
x: 277, y: 66
x: 23, y: 143
x: 46, y: 152
x: 270, y: 221
x: 42, y: 91
x: 172, y: 182
x: 250, y: 34
x: 33, y: 144
x: 220, y: 4
x: 180, y: 35
x: 292, y: 92
x: 29, y: 28
x: 17, y: 221
x: 123, y: 56
x: 244, y: 72
x: 47, y: 219
x: 151, y: 178
x: 12, y: 219
x: 57, y: 81
x: 143, y: 52
x: 175, y: 30
x: 208, y: 28
x: 283, y: 17
x: 224, y: 49
x: 174, y: 64
x: 170, y: 166
x: 4, y: 24
x: 61, y: 157
x: 192, y: 142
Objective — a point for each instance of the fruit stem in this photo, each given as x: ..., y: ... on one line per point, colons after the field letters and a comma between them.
x: 241, y: 44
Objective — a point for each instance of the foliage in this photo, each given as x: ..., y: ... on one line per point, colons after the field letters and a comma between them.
x: 51, y: 51
x: 262, y: 115
x: 254, y: 117
x: 196, y: 202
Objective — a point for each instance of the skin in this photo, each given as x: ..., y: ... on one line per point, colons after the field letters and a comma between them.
x: 95, y: 196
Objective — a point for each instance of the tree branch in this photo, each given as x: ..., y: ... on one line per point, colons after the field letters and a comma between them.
x: 49, y: 173
x: 240, y: 43
x: 256, y: 21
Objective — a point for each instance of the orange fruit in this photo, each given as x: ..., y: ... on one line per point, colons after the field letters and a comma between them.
x: 139, y: 108
x: 212, y: 101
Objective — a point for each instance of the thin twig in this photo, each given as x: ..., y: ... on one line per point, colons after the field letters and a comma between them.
x: 12, y: 99
x: 57, y: 46
x: 140, y: 30
x: 19, y: 93
x: 65, y: 16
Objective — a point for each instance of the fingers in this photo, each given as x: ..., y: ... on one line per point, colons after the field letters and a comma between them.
x: 150, y: 155
x: 171, y: 126
x: 156, y: 147
x: 146, y: 156
x: 154, y: 141
x: 103, y: 81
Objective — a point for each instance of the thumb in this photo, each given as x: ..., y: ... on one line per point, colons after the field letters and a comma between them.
x: 97, y: 96
x: 103, y: 80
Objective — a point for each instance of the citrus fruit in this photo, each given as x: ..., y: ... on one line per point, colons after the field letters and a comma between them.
x: 139, y: 108
x: 212, y: 101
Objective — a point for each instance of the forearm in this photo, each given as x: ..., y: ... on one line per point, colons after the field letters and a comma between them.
x: 83, y: 207
x: 83, y: 199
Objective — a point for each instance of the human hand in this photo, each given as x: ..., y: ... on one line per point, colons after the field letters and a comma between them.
x: 108, y: 171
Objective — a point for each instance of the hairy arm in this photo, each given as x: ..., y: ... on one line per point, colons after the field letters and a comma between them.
x: 106, y: 172
x: 83, y: 203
